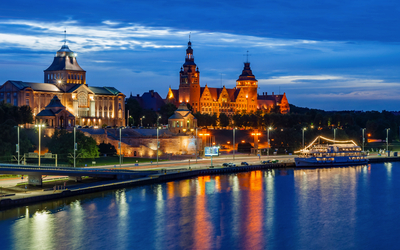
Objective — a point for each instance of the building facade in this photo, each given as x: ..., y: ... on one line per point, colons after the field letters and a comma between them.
x: 242, y: 98
x: 64, y: 78
x: 182, y: 121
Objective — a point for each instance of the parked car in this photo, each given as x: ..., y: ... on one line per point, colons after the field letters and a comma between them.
x: 231, y: 165
x: 244, y: 163
x: 79, y: 127
x: 108, y: 127
x: 86, y: 127
x: 225, y: 164
x: 266, y: 162
x: 275, y: 161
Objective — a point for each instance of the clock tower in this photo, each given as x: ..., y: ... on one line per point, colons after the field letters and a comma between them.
x: 189, y: 81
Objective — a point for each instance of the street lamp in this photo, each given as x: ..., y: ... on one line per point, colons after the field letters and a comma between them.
x: 196, y: 145
x: 158, y: 145
x: 40, y: 130
x: 269, y: 144
x: 387, y: 141
x: 334, y: 134
x: 363, y: 137
x: 141, y: 121
x: 17, y: 146
x: 302, y: 142
x: 120, y: 148
x: 234, y: 129
x: 158, y: 118
x: 75, y: 146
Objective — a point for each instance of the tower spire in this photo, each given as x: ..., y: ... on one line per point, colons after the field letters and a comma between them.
x: 190, y: 33
x: 65, y: 36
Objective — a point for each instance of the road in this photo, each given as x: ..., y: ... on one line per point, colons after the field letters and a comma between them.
x: 201, y: 163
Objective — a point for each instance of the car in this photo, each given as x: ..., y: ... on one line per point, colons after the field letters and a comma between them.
x: 266, y: 162
x: 79, y: 127
x: 86, y: 127
x: 225, y: 164
x: 108, y: 127
x: 244, y: 163
x: 275, y: 161
x: 231, y: 165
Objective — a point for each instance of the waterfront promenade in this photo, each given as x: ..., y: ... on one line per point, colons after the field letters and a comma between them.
x: 15, y: 191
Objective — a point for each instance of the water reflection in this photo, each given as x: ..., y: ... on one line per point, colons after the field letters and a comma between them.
x: 331, y: 208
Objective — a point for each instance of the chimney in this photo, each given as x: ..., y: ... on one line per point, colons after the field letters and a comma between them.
x: 272, y: 93
x: 152, y: 93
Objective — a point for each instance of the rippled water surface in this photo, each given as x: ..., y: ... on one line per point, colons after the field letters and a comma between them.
x: 331, y: 208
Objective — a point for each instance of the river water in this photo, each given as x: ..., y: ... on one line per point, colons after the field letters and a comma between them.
x: 326, y: 208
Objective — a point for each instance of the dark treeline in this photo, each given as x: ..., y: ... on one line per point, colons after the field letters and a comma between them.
x: 11, y: 117
x: 136, y: 113
x: 286, y: 130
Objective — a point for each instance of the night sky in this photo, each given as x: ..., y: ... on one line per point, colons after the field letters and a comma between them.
x: 332, y: 55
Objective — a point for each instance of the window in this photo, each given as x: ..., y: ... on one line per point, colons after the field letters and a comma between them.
x: 15, y: 101
x: 119, y: 105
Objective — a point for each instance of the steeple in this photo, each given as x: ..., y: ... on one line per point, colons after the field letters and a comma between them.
x: 247, y: 74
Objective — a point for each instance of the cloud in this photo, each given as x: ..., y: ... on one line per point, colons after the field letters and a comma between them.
x: 110, y: 35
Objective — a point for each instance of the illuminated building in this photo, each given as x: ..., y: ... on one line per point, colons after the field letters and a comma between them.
x: 209, y: 100
x: 182, y: 120
x: 64, y: 78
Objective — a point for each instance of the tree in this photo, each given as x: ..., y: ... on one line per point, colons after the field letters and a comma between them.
x: 166, y: 111
x: 135, y: 110
x: 9, y: 139
x: 223, y: 120
x: 107, y: 149
x: 62, y: 144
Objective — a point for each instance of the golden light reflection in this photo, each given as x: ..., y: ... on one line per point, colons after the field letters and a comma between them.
x: 184, y: 187
x: 254, y: 220
x: 218, y: 183
x: 203, y: 233
x: 170, y: 189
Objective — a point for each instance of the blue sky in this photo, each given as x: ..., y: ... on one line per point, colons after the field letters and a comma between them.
x: 332, y: 55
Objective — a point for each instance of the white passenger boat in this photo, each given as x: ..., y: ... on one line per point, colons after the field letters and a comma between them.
x: 333, y: 153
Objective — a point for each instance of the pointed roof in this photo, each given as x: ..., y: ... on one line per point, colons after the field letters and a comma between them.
x: 247, y: 74
x: 55, y: 103
x: 65, y: 59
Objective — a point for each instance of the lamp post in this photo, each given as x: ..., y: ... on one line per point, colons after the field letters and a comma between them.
x: 269, y: 144
x: 302, y: 142
x: 234, y: 129
x: 334, y: 134
x: 75, y: 147
x: 40, y: 130
x: 363, y: 138
x: 141, y: 121
x: 17, y: 147
x: 157, y: 143
x: 387, y: 141
x: 120, y: 159
x: 196, y: 145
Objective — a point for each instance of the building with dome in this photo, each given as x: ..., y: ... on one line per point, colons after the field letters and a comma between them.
x: 243, y: 97
x: 65, y: 79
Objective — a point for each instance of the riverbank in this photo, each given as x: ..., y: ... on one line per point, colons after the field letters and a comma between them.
x: 159, y: 176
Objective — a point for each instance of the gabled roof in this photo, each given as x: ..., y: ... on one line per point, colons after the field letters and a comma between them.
x: 176, y: 116
x: 46, y: 87
x: 46, y: 112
